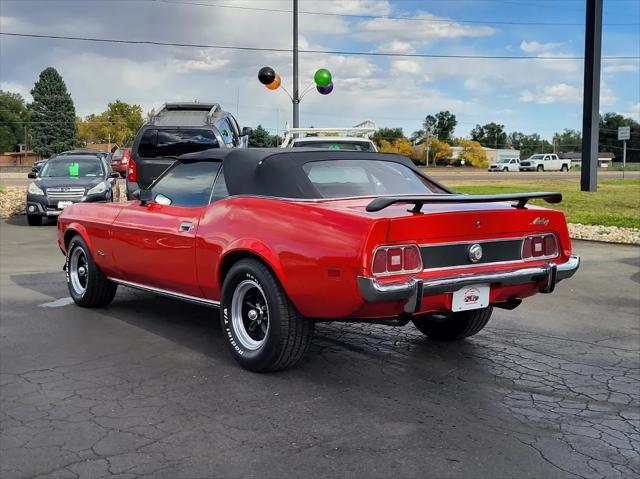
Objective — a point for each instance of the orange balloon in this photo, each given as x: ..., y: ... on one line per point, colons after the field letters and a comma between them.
x: 275, y: 84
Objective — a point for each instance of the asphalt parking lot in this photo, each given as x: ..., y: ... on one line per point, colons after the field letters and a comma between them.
x: 145, y: 388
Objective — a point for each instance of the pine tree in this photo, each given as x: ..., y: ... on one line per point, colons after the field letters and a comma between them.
x: 53, y: 115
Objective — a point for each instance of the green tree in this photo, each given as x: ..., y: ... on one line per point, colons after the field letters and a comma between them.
x: 52, y: 114
x: 118, y: 124
x: 609, y: 123
x: 491, y: 135
x: 13, y: 118
x: 528, y: 144
x: 388, y: 134
x: 567, y: 141
x: 446, y: 124
x: 260, y: 138
x: 441, y: 125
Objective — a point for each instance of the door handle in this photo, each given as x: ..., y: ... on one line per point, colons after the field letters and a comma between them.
x: 186, y: 226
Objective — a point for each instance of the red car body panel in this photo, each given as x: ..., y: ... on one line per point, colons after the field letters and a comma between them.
x: 317, y: 249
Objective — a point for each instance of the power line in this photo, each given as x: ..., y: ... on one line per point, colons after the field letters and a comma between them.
x: 382, y: 17
x: 323, y: 52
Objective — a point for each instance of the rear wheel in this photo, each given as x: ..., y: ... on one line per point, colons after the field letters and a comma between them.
x: 263, y: 329
x: 88, y: 286
x: 540, y: 168
x: 564, y: 168
x: 34, y: 220
x: 454, y: 325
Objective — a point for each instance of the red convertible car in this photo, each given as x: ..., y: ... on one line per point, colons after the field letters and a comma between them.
x: 280, y: 239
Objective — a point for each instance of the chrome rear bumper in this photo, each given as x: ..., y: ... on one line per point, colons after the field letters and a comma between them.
x: 413, y: 290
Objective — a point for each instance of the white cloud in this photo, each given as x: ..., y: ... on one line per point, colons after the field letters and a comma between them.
x: 563, y: 93
x: 406, y: 66
x: 538, y: 48
x: 415, y: 33
x: 622, y: 68
x: 396, y: 47
x: 14, y: 87
x: 634, y: 111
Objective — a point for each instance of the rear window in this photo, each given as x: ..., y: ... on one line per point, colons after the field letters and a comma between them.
x: 335, y: 145
x: 157, y: 143
x: 346, y: 178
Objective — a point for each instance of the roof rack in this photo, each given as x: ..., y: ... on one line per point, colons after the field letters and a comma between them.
x: 356, y: 132
x: 209, y: 108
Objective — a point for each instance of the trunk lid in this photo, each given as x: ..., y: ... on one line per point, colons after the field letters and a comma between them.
x: 449, y: 222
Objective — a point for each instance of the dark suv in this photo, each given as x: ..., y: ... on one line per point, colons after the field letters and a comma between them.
x: 176, y: 129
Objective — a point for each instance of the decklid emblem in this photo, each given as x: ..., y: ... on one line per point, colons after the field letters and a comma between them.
x: 475, y: 253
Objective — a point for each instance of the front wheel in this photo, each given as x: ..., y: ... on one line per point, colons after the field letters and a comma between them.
x: 88, y: 286
x: 262, y: 328
x: 34, y: 220
x: 540, y: 168
x: 453, y: 326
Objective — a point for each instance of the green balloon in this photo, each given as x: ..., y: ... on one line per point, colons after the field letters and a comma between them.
x: 322, y: 77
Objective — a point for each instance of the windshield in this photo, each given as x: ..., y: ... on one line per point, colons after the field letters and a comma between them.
x: 72, y: 167
x: 536, y: 157
x: 504, y: 160
x: 346, y: 178
x: 335, y: 145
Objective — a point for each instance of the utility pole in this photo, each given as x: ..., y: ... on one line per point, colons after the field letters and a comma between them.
x: 26, y: 145
x: 429, y: 133
x: 591, y: 96
x: 624, y: 157
x: 296, y: 92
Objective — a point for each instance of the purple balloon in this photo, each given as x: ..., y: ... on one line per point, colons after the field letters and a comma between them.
x: 325, y: 90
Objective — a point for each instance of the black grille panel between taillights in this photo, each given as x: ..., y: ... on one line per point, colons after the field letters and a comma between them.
x: 457, y: 254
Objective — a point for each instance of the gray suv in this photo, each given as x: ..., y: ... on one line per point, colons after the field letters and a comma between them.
x: 176, y: 129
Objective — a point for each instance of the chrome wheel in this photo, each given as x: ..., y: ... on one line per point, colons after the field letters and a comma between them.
x: 78, y: 270
x: 250, y: 314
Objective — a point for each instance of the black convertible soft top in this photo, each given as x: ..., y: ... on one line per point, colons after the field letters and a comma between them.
x: 278, y: 171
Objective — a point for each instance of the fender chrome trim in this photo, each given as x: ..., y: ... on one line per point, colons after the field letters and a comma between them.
x: 167, y: 293
x: 547, y: 275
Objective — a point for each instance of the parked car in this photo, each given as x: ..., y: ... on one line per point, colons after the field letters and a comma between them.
x: 120, y: 160
x: 67, y: 179
x: 176, y: 129
x: 505, y: 164
x: 545, y: 162
x: 349, y: 139
x: 279, y: 239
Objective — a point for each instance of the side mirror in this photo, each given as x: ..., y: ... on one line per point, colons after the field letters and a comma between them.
x: 246, y: 131
x: 145, y: 196
x: 32, y: 175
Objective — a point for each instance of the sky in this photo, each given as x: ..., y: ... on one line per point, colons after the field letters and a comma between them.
x: 533, y: 95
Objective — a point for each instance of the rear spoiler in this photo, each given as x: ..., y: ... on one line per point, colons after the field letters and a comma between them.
x: 522, y: 198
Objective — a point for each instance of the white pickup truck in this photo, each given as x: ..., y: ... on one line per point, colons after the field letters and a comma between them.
x: 545, y: 162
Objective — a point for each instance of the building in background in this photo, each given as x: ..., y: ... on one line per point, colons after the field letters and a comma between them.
x: 605, y: 159
x: 493, y: 155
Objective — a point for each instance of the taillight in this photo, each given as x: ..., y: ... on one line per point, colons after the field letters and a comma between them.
x: 396, y: 260
x: 132, y: 171
x: 539, y: 246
